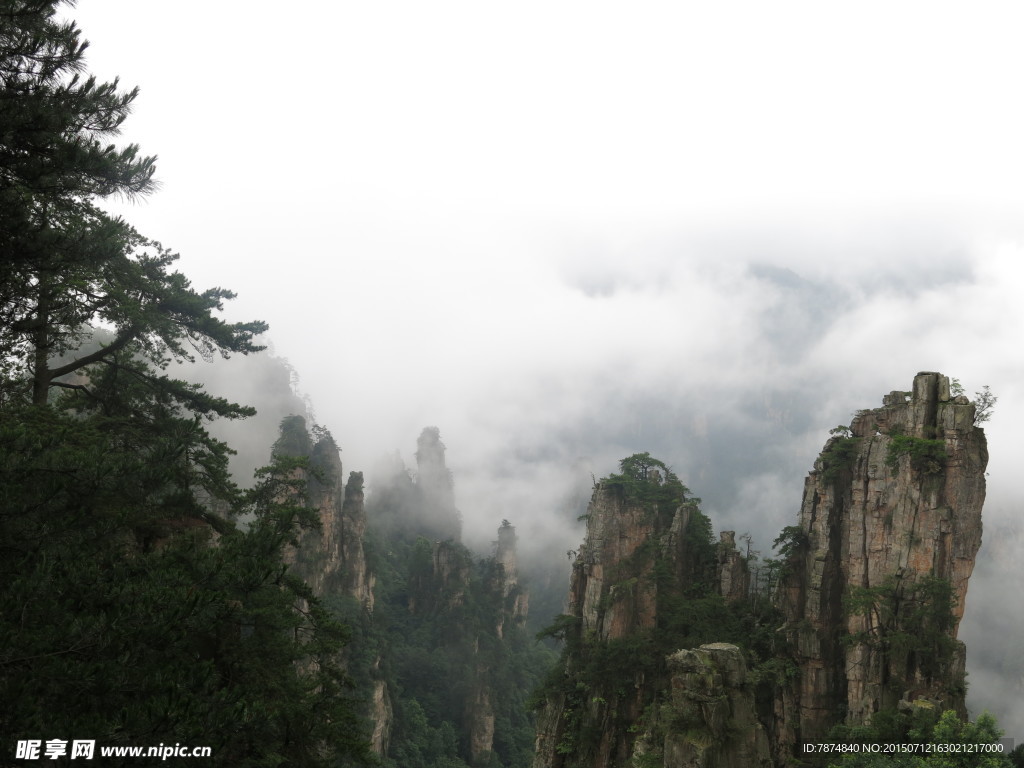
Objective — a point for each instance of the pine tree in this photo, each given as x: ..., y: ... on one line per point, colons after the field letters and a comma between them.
x: 134, y: 610
x: 66, y: 263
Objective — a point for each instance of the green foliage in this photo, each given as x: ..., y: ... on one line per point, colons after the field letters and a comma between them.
x: 133, y: 608
x: 792, y: 543
x: 418, y: 744
x: 649, y: 481
x: 932, y: 740
x: 562, y: 628
x: 596, y: 682
x: 927, y: 456
x: 323, y: 467
x: 67, y: 264
x: 433, y: 641
x: 984, y: 402
x: 122, y: 621
x: 838, y: 456
x: 910, y: 625
x: 294, y: 439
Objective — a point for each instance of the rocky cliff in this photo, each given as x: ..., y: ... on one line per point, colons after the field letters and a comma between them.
x: 711, y: 717
x: 438, y: 517
x: 733, y: 573
x: 877, y: 575
x: 872, y: 588
x: 331, y: 558
x: 647, y: 550
x: 442, y: 658
x: 479, y: 610
x: 504, y: 581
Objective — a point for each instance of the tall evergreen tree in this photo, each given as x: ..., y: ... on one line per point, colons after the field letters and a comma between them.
x: 134, y: 610
x: 66, y: 263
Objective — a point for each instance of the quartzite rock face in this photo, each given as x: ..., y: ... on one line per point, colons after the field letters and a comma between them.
x: 613, y: 594
x: 712, y: 706
x: 505, y: 581
x: 332, y: 559
x: 733, y: 573
x: 616, y: 529
x: 882, y: 510
x: 890, y: 520
x: 354, y: 574
x: 381, y: 714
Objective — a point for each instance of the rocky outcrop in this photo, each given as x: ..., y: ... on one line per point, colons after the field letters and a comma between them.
x: 889, y: 529
x: 611, y: 588
x: 353, y: 572
x: 381, y: 715
x: 479, y: 717
x: 644, y: 545
x: 733, y: 573
x: 439, y: 577
x: 711, y: 720
x: 468, y: 616
x: 872, y: 589
x: 439, y: 519
x: 504, y: 581
x: 331, y: 559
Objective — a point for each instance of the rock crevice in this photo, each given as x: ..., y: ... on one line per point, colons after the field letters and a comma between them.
x: 891, y: 514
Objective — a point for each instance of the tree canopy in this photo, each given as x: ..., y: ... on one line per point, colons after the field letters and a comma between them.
x: 134, y: 610
x: 68, y: 265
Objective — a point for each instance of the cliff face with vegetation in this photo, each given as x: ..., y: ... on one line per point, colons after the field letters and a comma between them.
x: 439, y: 656
x: 670, y: 660
x: 329, y: 557
x: 713, y: 712
x: 646, y: 582
x: 878, y: 567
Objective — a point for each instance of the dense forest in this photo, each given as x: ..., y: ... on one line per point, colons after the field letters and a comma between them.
x: 136, y: 611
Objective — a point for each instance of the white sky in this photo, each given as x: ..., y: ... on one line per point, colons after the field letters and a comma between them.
x: 532, y: 223
x: 415, y: 183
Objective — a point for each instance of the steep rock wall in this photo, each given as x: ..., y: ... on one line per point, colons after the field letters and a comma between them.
x: 890, y: 513
x: 733, y: 573
x: 504, y: 581
x: 635, y: 557
x: 712, y: 718
x: 332, y: 559
x: 354, y: 576
x: 871, y: 592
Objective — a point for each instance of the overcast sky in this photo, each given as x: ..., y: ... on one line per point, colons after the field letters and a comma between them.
x: 565, y: 230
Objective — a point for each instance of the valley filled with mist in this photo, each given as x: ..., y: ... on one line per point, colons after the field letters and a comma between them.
x: 588, y: 398
x: 746, y: 458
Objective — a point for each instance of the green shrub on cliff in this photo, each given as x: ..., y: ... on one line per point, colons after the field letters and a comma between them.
x: 648, y: 480
x: 927, y: 456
